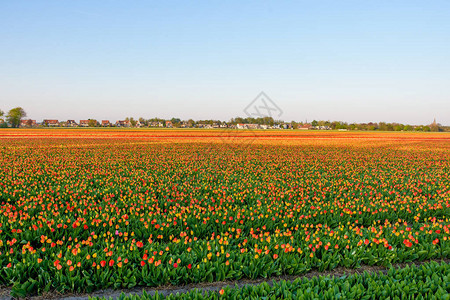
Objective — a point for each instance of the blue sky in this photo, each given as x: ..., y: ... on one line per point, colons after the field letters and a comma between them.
x: 355, y: 61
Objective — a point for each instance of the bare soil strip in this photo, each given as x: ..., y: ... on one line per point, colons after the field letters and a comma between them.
x: 214, y: 286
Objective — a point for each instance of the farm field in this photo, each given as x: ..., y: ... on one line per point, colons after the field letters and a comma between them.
x: 83, y: 210
x: 429, y: 281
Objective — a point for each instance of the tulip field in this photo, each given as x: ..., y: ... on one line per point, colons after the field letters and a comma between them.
x: 430, y: 281
x: 83, y: 210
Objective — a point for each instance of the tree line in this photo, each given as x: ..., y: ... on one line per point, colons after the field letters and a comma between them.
x: 15, y: 115
x: 381, y: 126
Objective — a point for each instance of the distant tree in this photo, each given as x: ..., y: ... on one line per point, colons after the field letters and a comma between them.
x: 156, y: 120
x: 338, y: 125
x: 132, y: 121
x: 2, y: 123
x: 407, y: 128
x: 176, y: 122
x: 334, y: 125
x: 143, y: 121
x: 314, y: 123
x: 434, y: 127
x: 237, y: 120
x: 92, y: 123
x: 15, y: 115
x: 268, y: 121
x: 426, y: 128
x: 398, y: 127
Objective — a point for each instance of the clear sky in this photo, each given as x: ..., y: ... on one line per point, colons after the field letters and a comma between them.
x: 355, y: 61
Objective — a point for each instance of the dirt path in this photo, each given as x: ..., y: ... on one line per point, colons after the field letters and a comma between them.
x: 215, y: 286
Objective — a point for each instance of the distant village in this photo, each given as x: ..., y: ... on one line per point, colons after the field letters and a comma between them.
x: 131, y: 123
x: 16, y: 117
x: 235, y: 123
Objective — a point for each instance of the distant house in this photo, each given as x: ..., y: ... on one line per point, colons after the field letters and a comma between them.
x: 253, y: 126
x: 248, y: 126
x: 27, y: 123
x: 169, y: 124
x: 106, y: 123
x: 155, y: 124
x: 52, y: 123
x: 185, y: 124
x: 121, y: 123
x: 84, y: 123
x: 71, y: 123
x: 305, y: 127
